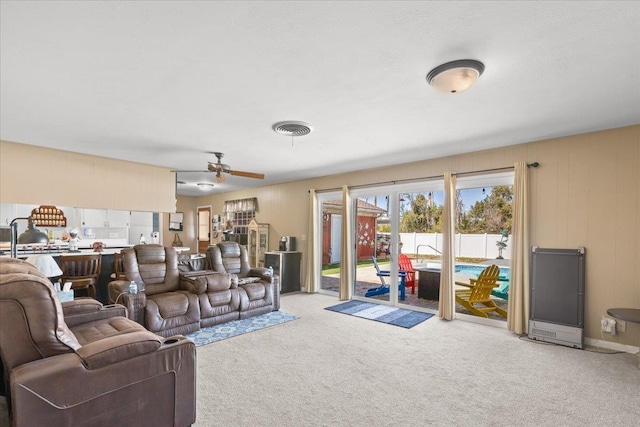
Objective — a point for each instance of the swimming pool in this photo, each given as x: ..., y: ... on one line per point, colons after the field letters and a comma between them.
x: 475, y: 270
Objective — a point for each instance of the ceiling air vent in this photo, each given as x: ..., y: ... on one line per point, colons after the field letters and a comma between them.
x: 292, y: 129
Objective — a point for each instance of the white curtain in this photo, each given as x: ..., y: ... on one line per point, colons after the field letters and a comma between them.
x: 312, y: 261
x: 446, y: 308
x: 518, y: 306
x: 346, y: 246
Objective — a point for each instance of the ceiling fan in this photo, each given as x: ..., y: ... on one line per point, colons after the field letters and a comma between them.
x: 221, y: 169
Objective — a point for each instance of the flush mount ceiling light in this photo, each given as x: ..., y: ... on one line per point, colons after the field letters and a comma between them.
x: 455, y: 76
x: 292, y: 129
x: 204, y: 185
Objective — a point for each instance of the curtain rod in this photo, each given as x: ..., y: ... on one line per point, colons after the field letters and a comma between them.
x: 426, y: 178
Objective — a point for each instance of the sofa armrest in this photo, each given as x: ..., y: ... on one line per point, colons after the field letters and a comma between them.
x: 116, y: 288
x: 135, y: 304
x: 118, y: 348
x: 213, y: 282
x: 80, y: 306
x: 84, y: 310
x: 260, y: 272
x: 195, y: 285
x: 63, y: 389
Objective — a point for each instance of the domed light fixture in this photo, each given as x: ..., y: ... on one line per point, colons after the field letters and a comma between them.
x: 455, y: 76
x: 204, y: 186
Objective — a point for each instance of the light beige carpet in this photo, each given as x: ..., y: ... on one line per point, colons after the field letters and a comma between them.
x: 328, y: 369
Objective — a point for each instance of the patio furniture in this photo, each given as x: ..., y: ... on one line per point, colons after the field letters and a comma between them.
x: 428, y: 283
x: 384, y: 288
x: 406, y: 266
x: 502, y: 291
x: 479, y: 292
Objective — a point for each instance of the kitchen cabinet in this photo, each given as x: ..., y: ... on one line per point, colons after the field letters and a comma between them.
x: 105, y: 218
x: 118, y: 219
x: 287, y: 266
x: 257, y: 243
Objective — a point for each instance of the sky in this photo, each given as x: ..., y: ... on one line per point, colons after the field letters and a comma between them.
x: 469, y: 197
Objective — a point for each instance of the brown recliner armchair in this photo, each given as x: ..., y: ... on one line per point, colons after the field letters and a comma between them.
x: 258, y: 293
x: 81, y: 363
x: 161, y: 305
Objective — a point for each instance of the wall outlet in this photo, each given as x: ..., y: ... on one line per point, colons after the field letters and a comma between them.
x: 610, y: 325
x: 621, y: 325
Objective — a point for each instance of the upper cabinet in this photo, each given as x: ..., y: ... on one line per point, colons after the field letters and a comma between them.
x: 107, y: 218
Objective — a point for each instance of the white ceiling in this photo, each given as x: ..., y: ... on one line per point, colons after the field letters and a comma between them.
x: 165, y: 82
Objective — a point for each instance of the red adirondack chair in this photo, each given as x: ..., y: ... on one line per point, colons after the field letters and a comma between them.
x: 405, y: 265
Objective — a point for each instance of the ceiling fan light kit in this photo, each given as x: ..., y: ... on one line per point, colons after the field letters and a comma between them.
x: 205, y: 186
x: 455, y: 76
x: 221, y: 170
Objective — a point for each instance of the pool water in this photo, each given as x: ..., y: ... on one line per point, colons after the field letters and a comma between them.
x: 475, y: 270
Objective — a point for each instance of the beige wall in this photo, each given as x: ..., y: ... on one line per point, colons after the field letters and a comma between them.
x: 189, y: 207
x: 44, y: 176
x: 585, y: 193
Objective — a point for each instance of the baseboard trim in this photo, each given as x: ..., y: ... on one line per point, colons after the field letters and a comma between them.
x: 612, y: 345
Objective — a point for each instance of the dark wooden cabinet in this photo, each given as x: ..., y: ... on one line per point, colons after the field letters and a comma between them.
x: 286, y: 264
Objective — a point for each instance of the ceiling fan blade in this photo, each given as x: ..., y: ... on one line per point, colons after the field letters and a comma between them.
x: 193, y: 171
x: 247, y: 174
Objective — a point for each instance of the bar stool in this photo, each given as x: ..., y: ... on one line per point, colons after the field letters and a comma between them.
x: 118, y: 268
x: 82, y: 271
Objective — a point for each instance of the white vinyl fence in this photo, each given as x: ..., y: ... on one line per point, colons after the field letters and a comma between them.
x: 467, y: 245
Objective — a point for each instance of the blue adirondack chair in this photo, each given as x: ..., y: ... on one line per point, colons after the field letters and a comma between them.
x: 384, y: 288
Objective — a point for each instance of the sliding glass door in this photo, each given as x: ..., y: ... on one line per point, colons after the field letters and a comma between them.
x: 330, y: 215
x: 373, y: 277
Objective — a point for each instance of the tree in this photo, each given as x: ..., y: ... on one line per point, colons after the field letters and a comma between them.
x: 423, y: 216
x: 491, y: 215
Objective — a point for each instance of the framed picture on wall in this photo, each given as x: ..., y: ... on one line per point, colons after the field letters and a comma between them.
x: 175, y: 221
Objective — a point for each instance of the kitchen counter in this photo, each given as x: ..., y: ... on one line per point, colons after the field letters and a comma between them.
x: 24, y: 253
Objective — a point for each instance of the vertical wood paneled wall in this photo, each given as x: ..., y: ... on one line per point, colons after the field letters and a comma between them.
x: 585, y: 193
x: 44, y: 176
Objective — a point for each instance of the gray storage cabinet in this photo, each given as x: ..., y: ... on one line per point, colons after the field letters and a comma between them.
x: 286, y: 264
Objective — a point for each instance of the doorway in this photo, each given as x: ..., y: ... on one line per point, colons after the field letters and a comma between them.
x: 204, y: 228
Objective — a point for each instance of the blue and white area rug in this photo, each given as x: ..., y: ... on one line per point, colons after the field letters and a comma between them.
x: 239, y: 327
x: 382, y: 313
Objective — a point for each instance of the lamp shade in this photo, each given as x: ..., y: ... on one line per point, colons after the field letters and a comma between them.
x: 33, y: 235
x: 46, y: 265
x: 455, y: 76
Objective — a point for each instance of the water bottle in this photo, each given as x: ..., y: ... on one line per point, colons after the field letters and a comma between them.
x: 133, y: 288
x: 270, y: 272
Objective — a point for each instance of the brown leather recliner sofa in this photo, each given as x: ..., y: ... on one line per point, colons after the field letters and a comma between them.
x: 181, y: 298
x: 258, y: 292
x: 161, y: 305
x: 82, y: 363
